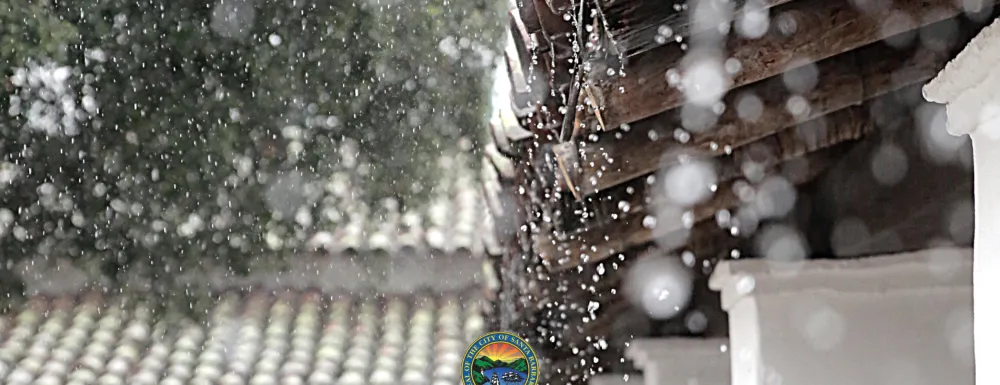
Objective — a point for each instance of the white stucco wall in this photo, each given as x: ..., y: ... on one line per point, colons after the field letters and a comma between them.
x: 986, y: 277
x: 898, y: 319
x: 970, y: 88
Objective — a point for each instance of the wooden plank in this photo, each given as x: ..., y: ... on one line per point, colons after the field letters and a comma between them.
x: 632, y: 229
x: 490, y: 186
x: 522, y: 39
x: 516, y: 133
x: 527, y: 13
x: 560, y: 6
x: 822, y: 29
x: 528, y: 78
x: 538, y: 55
x: 552, y: 22
x: 534, y: 72
x: 516, y: 69
x: 844, y: 80
x: 503, y: 165
x: 636, y: 24
x: 519, y: 61
x: 536, y: 17
x: 500, y: 141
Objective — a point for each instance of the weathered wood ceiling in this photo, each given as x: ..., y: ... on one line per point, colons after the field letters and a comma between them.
x: 600, y: 117
x: 804, y: 31
x: 629, y: 122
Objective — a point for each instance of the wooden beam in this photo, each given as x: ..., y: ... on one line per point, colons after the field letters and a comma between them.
x: 516, y: 133
x: 499, y: 137
x: 519, y: 32
x: 519, y: 60
x: 555, y: 52
x: 636, y: 24
x: 552, y: 22
x: 822, y: 29
x: 632, y: 228
x: 501, y: 206
x: 844, y: 80
x: 516, y: 69
x: 560, y: 6
x: 542, y: 78
x: 504, y: 166
x: 526, y: 10
x: 538, y: 18
x: 529, y: 85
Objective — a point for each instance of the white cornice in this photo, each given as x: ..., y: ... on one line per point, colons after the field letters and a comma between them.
x: 969, y: 85
x: 674, y: 361
x: 966, y: 69
x: 931, y: 269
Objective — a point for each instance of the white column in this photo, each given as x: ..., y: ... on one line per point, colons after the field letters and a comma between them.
x: 986, y: 275
x: 969, y: 86
x: 898, y: 319
x: 681, y: 361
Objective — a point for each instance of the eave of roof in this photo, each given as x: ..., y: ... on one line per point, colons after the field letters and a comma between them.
x: 969, y: 84
x: 968, y: 68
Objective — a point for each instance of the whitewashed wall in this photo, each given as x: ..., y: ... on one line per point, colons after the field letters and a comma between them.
x: 896, y: 319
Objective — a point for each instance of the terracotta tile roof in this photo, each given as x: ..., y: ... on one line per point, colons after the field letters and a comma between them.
x: 294, y: 337
x: 449, y: 223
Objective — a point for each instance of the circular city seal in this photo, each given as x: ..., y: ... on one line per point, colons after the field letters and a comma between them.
x: 500, y: 358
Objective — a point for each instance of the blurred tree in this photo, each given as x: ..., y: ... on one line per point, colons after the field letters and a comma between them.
x: 161, y: 135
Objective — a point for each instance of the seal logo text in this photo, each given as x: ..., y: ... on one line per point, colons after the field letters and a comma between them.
x: 500, y: 358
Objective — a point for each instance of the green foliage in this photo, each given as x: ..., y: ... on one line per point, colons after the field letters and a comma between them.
x: 478, y: 378
x: 520, y: 365
x: 29, y: 30
x: 483, y: 363
x: 183, y: 133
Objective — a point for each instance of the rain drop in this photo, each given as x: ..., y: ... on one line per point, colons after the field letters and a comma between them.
x: 274, y: 39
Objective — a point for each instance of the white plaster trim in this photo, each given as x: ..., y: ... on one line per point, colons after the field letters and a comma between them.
x: 977, y: 104
x: 616, y: 379
x: 682, y: 352
x: 681, y: 360
x: 932, y: 269
x: 969, y: 68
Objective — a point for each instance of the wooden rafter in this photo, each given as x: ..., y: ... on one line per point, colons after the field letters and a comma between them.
x: 842, y: 81
x: 808, y: 140
x: 811, y: 30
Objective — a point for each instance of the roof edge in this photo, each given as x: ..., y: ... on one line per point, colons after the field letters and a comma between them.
x: 964, y: 72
